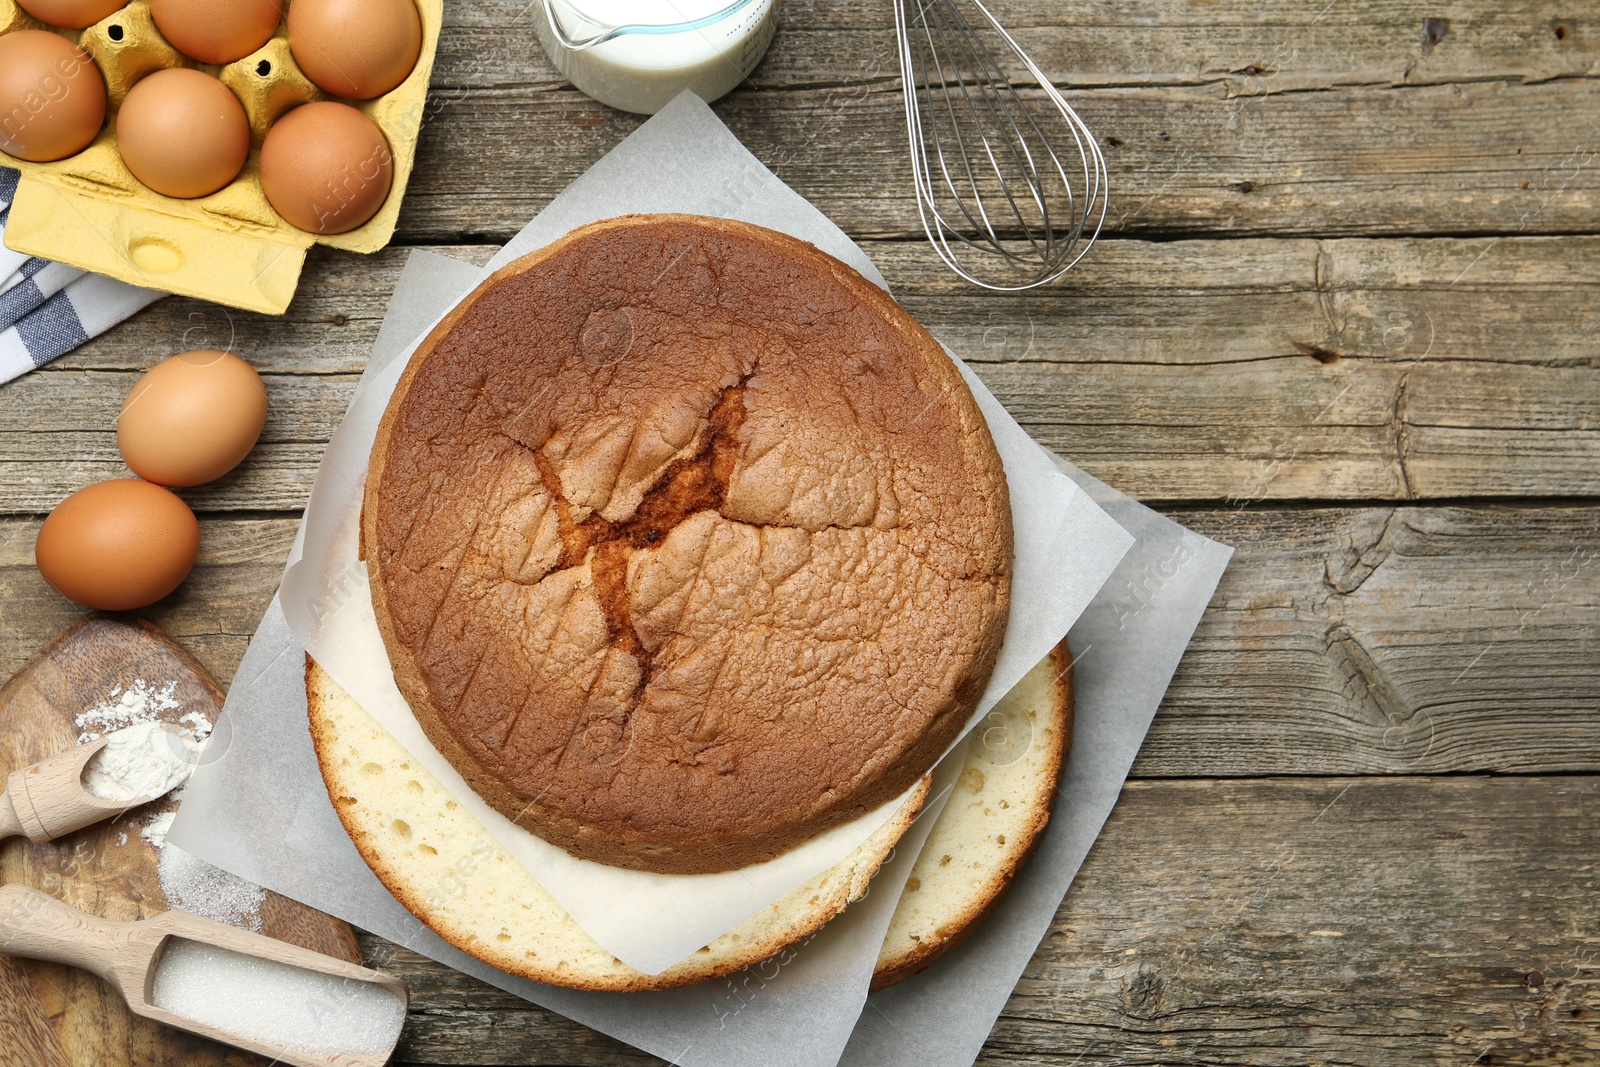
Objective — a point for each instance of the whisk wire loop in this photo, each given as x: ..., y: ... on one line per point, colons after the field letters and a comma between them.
x: 994, y: 194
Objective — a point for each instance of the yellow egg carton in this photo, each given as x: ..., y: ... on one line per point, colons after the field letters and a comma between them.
x: 89, y: 211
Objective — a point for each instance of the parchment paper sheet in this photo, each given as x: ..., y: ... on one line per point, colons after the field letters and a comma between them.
x: 682, y: 160
x: 1125, y: 649
x: 257, y: 807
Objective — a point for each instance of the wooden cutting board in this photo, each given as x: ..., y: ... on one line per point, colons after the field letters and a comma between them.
x: 54, y: 1016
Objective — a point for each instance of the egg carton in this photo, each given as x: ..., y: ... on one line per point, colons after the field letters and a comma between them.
x: 230, y: 247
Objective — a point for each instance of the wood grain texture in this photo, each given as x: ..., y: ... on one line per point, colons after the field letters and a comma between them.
x: 1283, y: 428
x: 1390, y: 641
x: 1527, y: 300
x: 110, y: 870
x: 1494, y: 157
x: 1349, y: 260
x: 1344, y: 119
x: 1365, y: 369
x: 25, y: 1031
x: 1093, y: 43
x: 1268, y: 922
x: 1341, y: 640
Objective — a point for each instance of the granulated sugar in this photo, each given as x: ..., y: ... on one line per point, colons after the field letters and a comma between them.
x: 143, y: 760
x: 126, y: 706
x: 196, y: 887
x: 272, y: 1002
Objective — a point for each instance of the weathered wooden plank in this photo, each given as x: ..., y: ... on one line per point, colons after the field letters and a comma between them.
x: 1533, y: 300
x: 1363, y: 369
x: 1267, y: 922
x: 1282, y: 429
x: 1083, y: 43
x: 1285, y: 430
x: 1161, y: 431
x: 1393, y: 641
x: 70, y: 440
x: 1341, y: 641
x: 212, y: 614
x: 1401, y: 301
x: 1485, y: 157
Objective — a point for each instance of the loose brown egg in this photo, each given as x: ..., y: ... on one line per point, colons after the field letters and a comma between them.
x: 118, y: 545
x: 217, y: 31
x: 73, y: 14
x: 326, y: 167
x: 192, y: 418
x: 52, y: 97
x: 355, y: 48
x: 183, y: 133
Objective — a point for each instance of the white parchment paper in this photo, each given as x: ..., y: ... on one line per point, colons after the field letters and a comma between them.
x: 1125, y: 650
x: 257, y: 806
x: 685, y: 160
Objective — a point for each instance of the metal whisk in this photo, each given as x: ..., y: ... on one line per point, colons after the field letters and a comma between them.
x: 997, y: 199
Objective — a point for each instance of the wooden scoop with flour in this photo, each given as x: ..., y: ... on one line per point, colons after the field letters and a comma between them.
x: 284, y: 1002
x: 49, y: 799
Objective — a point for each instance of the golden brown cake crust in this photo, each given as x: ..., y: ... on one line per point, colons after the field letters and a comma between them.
x: 686, y: 542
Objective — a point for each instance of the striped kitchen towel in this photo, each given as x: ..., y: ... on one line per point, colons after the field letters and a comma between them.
x: 48, y: 308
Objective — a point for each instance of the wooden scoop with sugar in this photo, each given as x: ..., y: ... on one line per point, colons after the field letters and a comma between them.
x: 285, y: 1002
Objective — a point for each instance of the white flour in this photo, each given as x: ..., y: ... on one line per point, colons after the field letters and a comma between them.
x: 198, y: 723
x: 139, y: 702
x: 143, y: 760
x: 155, y: 831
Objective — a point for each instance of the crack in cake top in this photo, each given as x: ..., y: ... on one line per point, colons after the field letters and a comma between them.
x: 687, y: 543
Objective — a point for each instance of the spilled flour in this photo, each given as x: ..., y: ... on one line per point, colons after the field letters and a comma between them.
x: 138, y: 702
x: 188, y: 884
x: 123, y: 707
x: 197, y: 887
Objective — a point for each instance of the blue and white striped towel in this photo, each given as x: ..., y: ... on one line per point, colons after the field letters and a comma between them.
x: 48, y: 308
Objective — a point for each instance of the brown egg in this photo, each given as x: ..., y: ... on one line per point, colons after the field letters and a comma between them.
x: 355, y: 48
x: 183, y: 133
x: 118, y: 545
x: 217, y: 31
x: 52, y: 97
x: 192, y: 418
x: 326, y: 167
x: 73, y: 14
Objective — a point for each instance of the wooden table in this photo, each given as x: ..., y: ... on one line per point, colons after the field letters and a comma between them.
x: 1344, y: 318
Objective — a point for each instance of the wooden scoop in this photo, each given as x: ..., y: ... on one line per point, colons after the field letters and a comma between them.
x: 139, y: 960
x: 48, y: 800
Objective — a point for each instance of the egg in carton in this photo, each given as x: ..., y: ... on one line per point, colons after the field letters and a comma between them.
x: 89, y: 211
